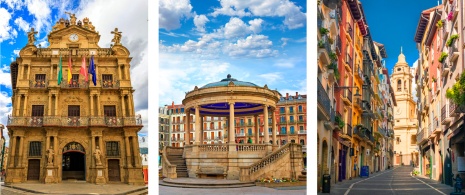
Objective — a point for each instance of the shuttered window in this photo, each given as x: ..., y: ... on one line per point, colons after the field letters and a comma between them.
x: 37, y: 110
x: 112, y: 148
x: 35, y: 148
x: 74, y: 111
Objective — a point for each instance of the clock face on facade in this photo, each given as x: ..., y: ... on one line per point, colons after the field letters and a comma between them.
x: 399, y: 111
x: 73, y: 37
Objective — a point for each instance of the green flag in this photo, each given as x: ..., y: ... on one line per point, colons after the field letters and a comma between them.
x: 60, y: 74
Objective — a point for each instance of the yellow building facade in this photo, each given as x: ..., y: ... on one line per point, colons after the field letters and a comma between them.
x: 73, y: 130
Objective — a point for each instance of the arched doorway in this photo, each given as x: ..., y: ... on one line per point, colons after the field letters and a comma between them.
x: 324, y: 158
x: 73, y: 162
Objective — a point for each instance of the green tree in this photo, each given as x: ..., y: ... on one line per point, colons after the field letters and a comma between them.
x: 457, y: 92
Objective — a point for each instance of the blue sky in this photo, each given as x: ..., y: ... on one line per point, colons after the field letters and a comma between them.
x: 18, y: 16
x: 394, y: 23
x: 263, y: 42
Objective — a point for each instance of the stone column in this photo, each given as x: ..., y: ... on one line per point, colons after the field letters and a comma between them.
x: 47, y: 143
x: 91, y: 105
x: 13, y: 151
x: 18, y: 102
x: 232, y: 137
x: 49, y: 106
x: 55, y: 148
x: 25, y: 105
x: 265, y: 129
x: 92, y: 152
x: 98, y: 105
x: 123, y: 106
x: 56, y: 105
x: 128, y: 152
x: 20, y: 157
x: 28, y: 71
x: 201, y: 129
x: 273, y: 129
x: 197, y: 125
x: 187, y: 129
x: 119, y: 71
x: 257, y: 129
x: 135, y: 144
x: 131, y: 104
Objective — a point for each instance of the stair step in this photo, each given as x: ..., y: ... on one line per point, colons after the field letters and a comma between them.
x: 207, y: 186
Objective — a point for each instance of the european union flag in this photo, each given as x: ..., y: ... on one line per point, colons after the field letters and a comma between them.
x: 92, y: 70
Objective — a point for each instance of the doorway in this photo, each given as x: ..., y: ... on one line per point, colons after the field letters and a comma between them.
x: 73, y: 166
x: 33, y: 169
x: 73, y: 162
x: 113, y: 170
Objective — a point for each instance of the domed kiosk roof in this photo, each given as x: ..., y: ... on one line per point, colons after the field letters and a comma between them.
x: 225, y: 82
x: 217, y: 98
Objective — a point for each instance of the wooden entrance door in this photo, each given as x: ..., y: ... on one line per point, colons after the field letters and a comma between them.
x: 113, y: 170
x: 33, y: 170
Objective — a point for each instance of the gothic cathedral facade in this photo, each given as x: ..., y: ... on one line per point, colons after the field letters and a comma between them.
x: 68, y: 128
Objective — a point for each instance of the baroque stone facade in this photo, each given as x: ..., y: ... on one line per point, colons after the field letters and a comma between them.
x: 75, y: 129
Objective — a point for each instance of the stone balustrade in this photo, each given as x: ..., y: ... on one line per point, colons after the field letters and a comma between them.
x: 213, y: 148
x: 266, y: 164
x: 251, y: 147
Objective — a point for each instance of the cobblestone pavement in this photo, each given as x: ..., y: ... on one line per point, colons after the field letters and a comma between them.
x: 301, y: 190
x: 396, y: 181
x: 69, y: 188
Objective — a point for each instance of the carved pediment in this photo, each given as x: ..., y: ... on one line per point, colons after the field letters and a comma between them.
x: 73, y: 99
x: 28, y: 50
x: 120, y: 50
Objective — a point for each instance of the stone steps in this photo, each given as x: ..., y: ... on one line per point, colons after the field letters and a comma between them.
x: 139, y: 192
x: 180, y: 162
x: 206, y: 185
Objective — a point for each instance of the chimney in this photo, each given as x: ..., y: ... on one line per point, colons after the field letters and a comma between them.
x: 172, y: 104
x: 296, y: 94
x: 287, y: 96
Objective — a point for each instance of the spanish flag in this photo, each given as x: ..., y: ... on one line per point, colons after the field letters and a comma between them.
x: 69, y: 69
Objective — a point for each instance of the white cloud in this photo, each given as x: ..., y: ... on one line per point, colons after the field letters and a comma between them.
x: 14, y: 4
x: 293, y: 16
x: 284, y: 40
x: 135, y: 33
x: 5, y: 28
x: 199, y: 22
x: 172, y: 11
x: 271, y: 78
x: 295, y: 86
x: 22, y: 24
x: 256, y: 25
x: 180, y: 73
x: 41, y: 11
x: 237, y: 28
x: 258, y: 46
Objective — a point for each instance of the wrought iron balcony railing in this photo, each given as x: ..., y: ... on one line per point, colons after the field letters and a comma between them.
x: 109, y: 84
x: 38, y: 84
x: 74, y: 84
x: 74, y: 121
x: 323, y: 98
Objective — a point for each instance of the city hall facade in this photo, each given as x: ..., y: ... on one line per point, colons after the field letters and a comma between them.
x: 68, y: 128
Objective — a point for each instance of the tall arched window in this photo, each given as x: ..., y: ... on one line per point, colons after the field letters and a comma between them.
x: 399, y: 85
x: 405, y: 85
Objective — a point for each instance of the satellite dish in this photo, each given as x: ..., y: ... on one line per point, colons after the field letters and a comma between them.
x: 332, y: 4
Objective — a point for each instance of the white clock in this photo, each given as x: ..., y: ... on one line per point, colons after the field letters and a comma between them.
x: 73, y: 37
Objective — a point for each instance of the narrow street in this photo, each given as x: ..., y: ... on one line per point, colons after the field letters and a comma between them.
x: 394, y: 181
